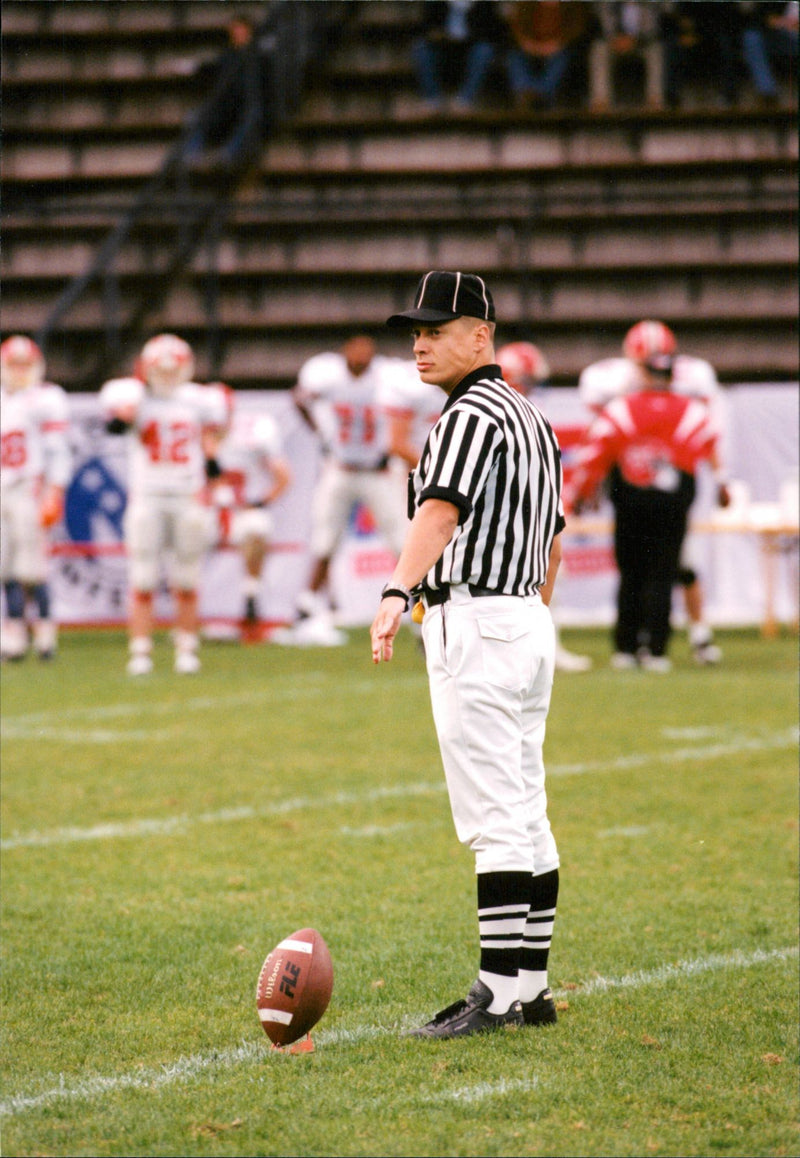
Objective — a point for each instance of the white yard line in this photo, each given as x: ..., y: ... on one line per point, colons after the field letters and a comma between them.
x: 672, y: 972
x: 309, y: 683
x: 249, y: 1053
x: 85, y: 735
x: 630, y: 830
x: 483, y: 1090
x: 733, y: 746
x: 172, y: 824
x: 377, y: 829
x: 165, y: 826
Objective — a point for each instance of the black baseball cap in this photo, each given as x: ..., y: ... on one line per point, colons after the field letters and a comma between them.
x: 443, y: 296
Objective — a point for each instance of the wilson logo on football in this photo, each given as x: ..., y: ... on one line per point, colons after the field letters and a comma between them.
x: 294, y: 987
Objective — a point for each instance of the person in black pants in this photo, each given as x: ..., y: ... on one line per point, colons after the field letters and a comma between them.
x: 647, y: 445
x: 702, y: 40
x: 457, y: 42
x: 650, y: 526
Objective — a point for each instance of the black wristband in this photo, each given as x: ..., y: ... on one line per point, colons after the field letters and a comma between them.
x: 117, y: 426
x: 213, y: 469
x: 399, y: 592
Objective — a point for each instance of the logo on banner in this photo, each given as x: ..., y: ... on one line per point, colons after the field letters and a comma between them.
x: 368, y: 560
x: 91, y: 563
x: 95, y: 504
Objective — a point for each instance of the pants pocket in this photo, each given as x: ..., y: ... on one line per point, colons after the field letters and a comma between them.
x: 504, y: 655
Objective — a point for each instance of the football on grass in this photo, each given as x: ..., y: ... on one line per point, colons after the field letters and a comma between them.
x: 294, y: 986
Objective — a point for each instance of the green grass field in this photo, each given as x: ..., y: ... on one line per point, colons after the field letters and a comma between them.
x: 160, y: 836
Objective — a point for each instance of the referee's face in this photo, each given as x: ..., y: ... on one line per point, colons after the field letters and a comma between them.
x: 448, y: 352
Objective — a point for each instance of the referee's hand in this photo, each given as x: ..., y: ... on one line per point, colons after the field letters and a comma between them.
x: 385, y: 627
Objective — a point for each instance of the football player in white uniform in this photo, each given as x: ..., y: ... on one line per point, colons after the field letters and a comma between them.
x: 34, y: 472
x: 339, y: 395
x: 253, y: 473
x: 525, y: 368
x: 602, y: 381
x: 413, y: 407
x: 175, y: 427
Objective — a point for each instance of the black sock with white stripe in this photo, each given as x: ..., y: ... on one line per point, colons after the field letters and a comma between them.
x: 503, y: 904
x: 543, y: 895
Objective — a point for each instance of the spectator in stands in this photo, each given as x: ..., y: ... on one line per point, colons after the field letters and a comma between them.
x: 458, y: 38
x: 548, y: 36
x: 235, y: 87
x: 769, y: 33
x: 628, y: 32
x: 702, y: 39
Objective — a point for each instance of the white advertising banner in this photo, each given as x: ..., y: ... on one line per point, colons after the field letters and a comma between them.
x: 762, y: 421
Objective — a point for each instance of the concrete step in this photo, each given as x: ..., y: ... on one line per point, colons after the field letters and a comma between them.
x: 368, y: 297
x: 264, y: 247
x: 508, y: 144
x: 40, y: 19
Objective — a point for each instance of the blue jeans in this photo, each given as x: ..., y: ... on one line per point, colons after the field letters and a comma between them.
x: 758, y: 47
x: 541, y: 76
x: 428, y: 59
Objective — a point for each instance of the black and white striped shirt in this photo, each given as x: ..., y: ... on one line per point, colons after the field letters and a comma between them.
x: 495, y: 457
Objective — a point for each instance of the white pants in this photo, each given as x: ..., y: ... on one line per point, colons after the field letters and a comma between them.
x: 338, y: 489
x: 490, y: 666
x: 23, y: 542
x: 176, y: 528
x: 251, y: 523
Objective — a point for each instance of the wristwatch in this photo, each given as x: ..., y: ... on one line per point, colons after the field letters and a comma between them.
x: 398, y: 590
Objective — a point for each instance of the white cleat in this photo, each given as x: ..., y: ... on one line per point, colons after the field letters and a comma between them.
x: 320, y: 632
x: 315, y: 631
x: 187, y: 662
x: 13, y: 639
x: 623, y: 661
x: 657, y: 663
x: 569, y: 661
x: 706, y: 654
x: 139, y: 665
x: 45, y: 638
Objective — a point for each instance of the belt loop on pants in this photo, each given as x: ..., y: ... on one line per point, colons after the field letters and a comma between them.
x: 435, y: 596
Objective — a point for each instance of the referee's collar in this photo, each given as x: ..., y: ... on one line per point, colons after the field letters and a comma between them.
x: 489, y: 371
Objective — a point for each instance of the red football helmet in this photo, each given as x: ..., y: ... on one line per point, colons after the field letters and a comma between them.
x: 165, y: 363
x: 523, y: 364
x: 649, y: 339
x: 21, y: 363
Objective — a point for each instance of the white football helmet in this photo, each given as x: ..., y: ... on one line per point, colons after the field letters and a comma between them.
x: 120, y: 397
x: 165, y: 363
x: 523, y: 364
x: 21, y: 363
x: 647, y: 340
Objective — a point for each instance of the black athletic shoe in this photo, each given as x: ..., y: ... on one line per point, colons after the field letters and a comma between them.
x: 540, y: 1011
x: 470, y: 1016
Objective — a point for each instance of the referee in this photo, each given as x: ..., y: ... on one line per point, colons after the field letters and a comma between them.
x: 482, y: 552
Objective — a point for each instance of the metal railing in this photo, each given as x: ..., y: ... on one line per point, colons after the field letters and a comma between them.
x: 263, y: 84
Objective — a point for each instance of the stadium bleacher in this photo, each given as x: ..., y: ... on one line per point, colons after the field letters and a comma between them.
x: 583, y: 222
